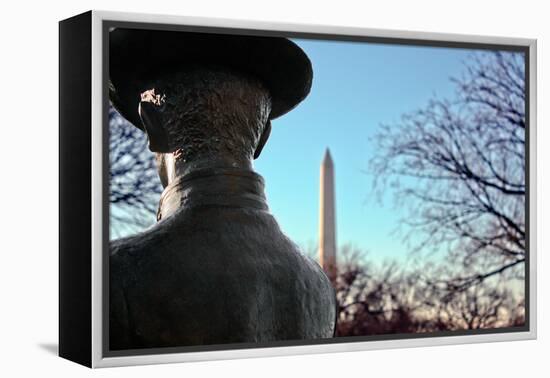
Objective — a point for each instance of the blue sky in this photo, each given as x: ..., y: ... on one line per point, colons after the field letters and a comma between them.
x: 356, y: 87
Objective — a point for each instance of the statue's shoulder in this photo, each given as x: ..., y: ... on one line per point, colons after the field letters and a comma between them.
x: 125, y: 246
x: 133, y: 247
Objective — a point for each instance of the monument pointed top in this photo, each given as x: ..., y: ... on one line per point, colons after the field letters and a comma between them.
x: 327, y: 160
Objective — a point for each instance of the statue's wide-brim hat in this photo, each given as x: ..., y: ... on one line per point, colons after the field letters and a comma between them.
x: 138, y: 56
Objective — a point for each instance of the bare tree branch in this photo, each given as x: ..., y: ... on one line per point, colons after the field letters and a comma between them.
x: 134, y: 184
x: 393, y: 299
x: 459, y: 166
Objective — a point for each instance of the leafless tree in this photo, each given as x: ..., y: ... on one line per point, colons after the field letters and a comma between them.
x: 497, y: 301
x: 374, y: 300
x: 480, y: 306
x: 458, y: 166
x: 391, y: 298
x: 134, y: 184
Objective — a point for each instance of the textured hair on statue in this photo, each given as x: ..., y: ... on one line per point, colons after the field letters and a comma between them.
x: 210, y: 110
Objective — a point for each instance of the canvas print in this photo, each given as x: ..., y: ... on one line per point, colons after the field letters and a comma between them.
x: 284, y: 190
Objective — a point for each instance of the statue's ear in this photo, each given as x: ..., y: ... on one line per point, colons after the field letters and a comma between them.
x: 151, y: 119
x: 263, y: 139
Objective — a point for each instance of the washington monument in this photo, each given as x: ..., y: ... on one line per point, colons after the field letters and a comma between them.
x: 327, y: 218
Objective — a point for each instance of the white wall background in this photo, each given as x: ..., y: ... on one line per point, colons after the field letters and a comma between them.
x: 28, y: 134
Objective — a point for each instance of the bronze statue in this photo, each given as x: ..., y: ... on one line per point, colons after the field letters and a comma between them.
x: 216, y: 268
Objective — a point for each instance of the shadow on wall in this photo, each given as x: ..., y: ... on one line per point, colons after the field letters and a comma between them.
x: 52, y: 348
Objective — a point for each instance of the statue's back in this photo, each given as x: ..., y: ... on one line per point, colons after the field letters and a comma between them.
x: 213, y: 276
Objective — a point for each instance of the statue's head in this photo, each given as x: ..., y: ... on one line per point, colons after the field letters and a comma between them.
x: 202, y: 113
x: 199, y: 111
x: 200, y: 95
